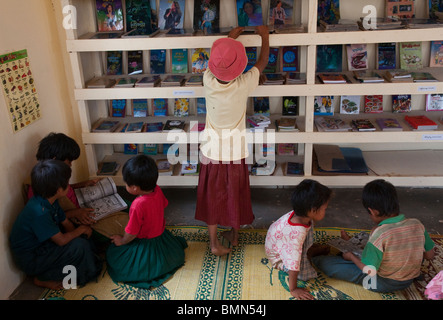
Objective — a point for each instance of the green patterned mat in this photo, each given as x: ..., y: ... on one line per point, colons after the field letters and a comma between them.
x: 244, y: 274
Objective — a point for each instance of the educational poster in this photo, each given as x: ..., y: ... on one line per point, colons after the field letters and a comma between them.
x: 18, y: 87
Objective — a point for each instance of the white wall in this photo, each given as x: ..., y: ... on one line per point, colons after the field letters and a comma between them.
x: 31, y: 25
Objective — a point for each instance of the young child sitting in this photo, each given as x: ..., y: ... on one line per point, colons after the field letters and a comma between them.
x: 392, y: 258
x: 154, y: 253
x: 43, y: 241
x: 289, y: 238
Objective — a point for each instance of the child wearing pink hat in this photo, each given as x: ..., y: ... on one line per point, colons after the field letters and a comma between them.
x: 223, y: 193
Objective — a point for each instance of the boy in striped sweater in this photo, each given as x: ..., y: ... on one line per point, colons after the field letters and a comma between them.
x: 392, y: 258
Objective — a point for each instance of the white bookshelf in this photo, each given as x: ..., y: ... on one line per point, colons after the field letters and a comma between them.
x: 87, y: 62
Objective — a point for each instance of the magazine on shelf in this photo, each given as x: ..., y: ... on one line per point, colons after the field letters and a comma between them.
x: 411, y: 57
x: 389, y: 124
x: 280, y: 13
x: 171, y: 14
x: 200, y: 59
x: 206, y: 16
x: 140, y: 16
x: 373, y: 104
x: 436, y: 59
x: 350, y: 104
x: 434, y: 102
x: 357, y: 56
x: 362, y: 125
x: 331, y: 124
x: 135, y: 62
x: 102, y: 197
x: 386, y: 55
x: 109, y: 15
x: 179, y: 60
x: 158, y: 61
x: 401, y: 103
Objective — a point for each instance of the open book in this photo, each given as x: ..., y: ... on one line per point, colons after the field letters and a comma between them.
x: 355, y: 245
x: 102, y: 197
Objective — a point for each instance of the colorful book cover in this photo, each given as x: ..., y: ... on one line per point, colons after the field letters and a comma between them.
x: 400, y: 9
x: 171, y: 14
x: 329, y: 58
x: 135, y: 126
x: 179, y: 60
x: 286, y: 149
x: 436, y: 59
x: 261, y: 106
x: 207, y: 15
x: 411, y: 55
x: 324, y: 105
x: 139, y: 17
x: 363, y: 125
x: 289, y: 58
x: 135, y: 62
x: 401, y: 103
x: 435, y: 6
x: 154, y: 126
x: 290, y: 106
x: 434, y: 102
x: 251, y: 53
x: 140, y: 108
x: 373, y: 104
x: 160, y: 107
x: 357, y: 56
x: 109, y: 15
x: 201, y: 106
x: 150, y: 149
x: 386, y: 56
x: 350, y: 104
x: 200, y: 60
x: 181, y: 107
x: 328, y: 11
x: 158, y: 61
x: 118, y: 108
x: 280, y: 13
x: 130, y: 148
x: 389, y: 124
x: 114, y: 63
x: 249, y: 13
x: 272, y: 61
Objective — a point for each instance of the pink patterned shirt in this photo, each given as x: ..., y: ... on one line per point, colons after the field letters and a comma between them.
x: 284, y: 243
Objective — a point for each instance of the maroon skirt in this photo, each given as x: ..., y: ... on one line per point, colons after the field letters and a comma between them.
x: 224, y: 195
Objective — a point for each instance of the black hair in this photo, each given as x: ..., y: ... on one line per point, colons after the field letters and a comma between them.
x: 309, y: 195
x: 141, y: 171
x: 58, y: 146
x: 381, y: 195
x: 48, y: 176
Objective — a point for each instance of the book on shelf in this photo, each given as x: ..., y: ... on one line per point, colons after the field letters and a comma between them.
x: 141, y: 17
x: 200, y: 59
x: 329, y: 58
x: 398, y: 75
x: 293, y: 169
x: 101, y: 82
x: 373, y: 104
x: 285, y: 149
x: 109, y: 15
x: 154, y: 126
x: 402, y: 9
x: 434, y: 102
x: 421, y: 122
x: 401, y: 103
x: 158, y: 61
x: 332, y: 78
x: 150, y: 149
x: 189, y: 168
x: 411, y: 55
x: 130, y: 148
x: 295, y: 77
x: 138, y: 33
x: 328, y: 124
x: 135, y: 126
x: 206, y: 16
x: 148, y: 81
x: 114, y: 63
x: 323, y: 105
x: 160, y: 107
x: 125, y: 82
x: 285, y: 124
x: 201, y: 105
x: 368, y: 76
x: 434, y: 8
x: 106, y: 126
x: 179, y: 60
x: 174, y: 32
x: 251, y: 53
x: 165, y: 168
x: 436, y: 59
x: 273, y: 78
x: 423, y: 77
x: 140, y: 108
x: 261, y: 106
x: 290, y: 106
x: 289, y: 59
x: 350, y: 104
x: 181, y: 107
x: 118, y: 107
x: 357, y: 56
x: 289, y: 28
x: 135, y: 62
x: 386, y: 55
x: 341, y: 25
x: 173, y: 80
x: 389, y: 124
x: 259, y: 120
x: 271, y: 67
x: 174, y: 125
x: 171, y: 14
x: 194, y: 80
x: 355, y: 244
x: 102, y: 197
x: 107, y: 168
x: 102, y: 35
x: 263, y: 168
x: 280, y: 13
x: 416, y: 23
x: 362, y: 125
x: 382, y: 23
x: 328, y: 11
x: 249, y: 13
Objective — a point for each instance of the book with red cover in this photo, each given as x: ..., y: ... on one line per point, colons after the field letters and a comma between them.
x: 421, y: 123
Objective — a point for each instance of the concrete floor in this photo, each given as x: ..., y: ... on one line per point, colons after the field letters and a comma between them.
x: 344, y: 211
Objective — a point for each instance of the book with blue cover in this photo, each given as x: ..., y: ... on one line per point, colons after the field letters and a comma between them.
x: 329, y: 58
x: 158, y: 61
x: 139, y: 16
x: 160, y: 107
x: 289, y: 58
x: 207, y: 15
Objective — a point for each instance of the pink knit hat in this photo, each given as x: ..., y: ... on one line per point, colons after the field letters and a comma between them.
x: 227, y: 59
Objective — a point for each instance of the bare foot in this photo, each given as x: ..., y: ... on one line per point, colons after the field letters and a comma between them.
x: 344, y: 235
x: 220, y: 250
x: 231, y: 236
x: 53, y: 285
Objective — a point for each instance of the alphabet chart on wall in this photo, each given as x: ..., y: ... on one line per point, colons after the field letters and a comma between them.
x: 19, y: 89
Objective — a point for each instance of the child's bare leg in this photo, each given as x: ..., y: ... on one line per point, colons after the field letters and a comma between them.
x: 216, y: 247
x: 53, y: 285
x: 344, y: 235
x: 231, y: 236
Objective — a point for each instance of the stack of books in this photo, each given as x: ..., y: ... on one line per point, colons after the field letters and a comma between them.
x: 165, y: 168
x: 173, y: 80
x: 272, y: 78
x: 332, y: 78
x: 101, y: 82
x: 127, y: 82
x: 421, y: 123
x: 258, y: 122
x: 342, y: 25
x: 174, y: 125
x: 368, y: 76
x: 398, y: 75
x: 286, y: 124
x: 328, y: 124
x: 194, y: 80
x: 363, y: 125
x: 295, y: 77
x: 106, y: 126
x: 382, y: 23
x: 423, y: 77
x: 149, y: 81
